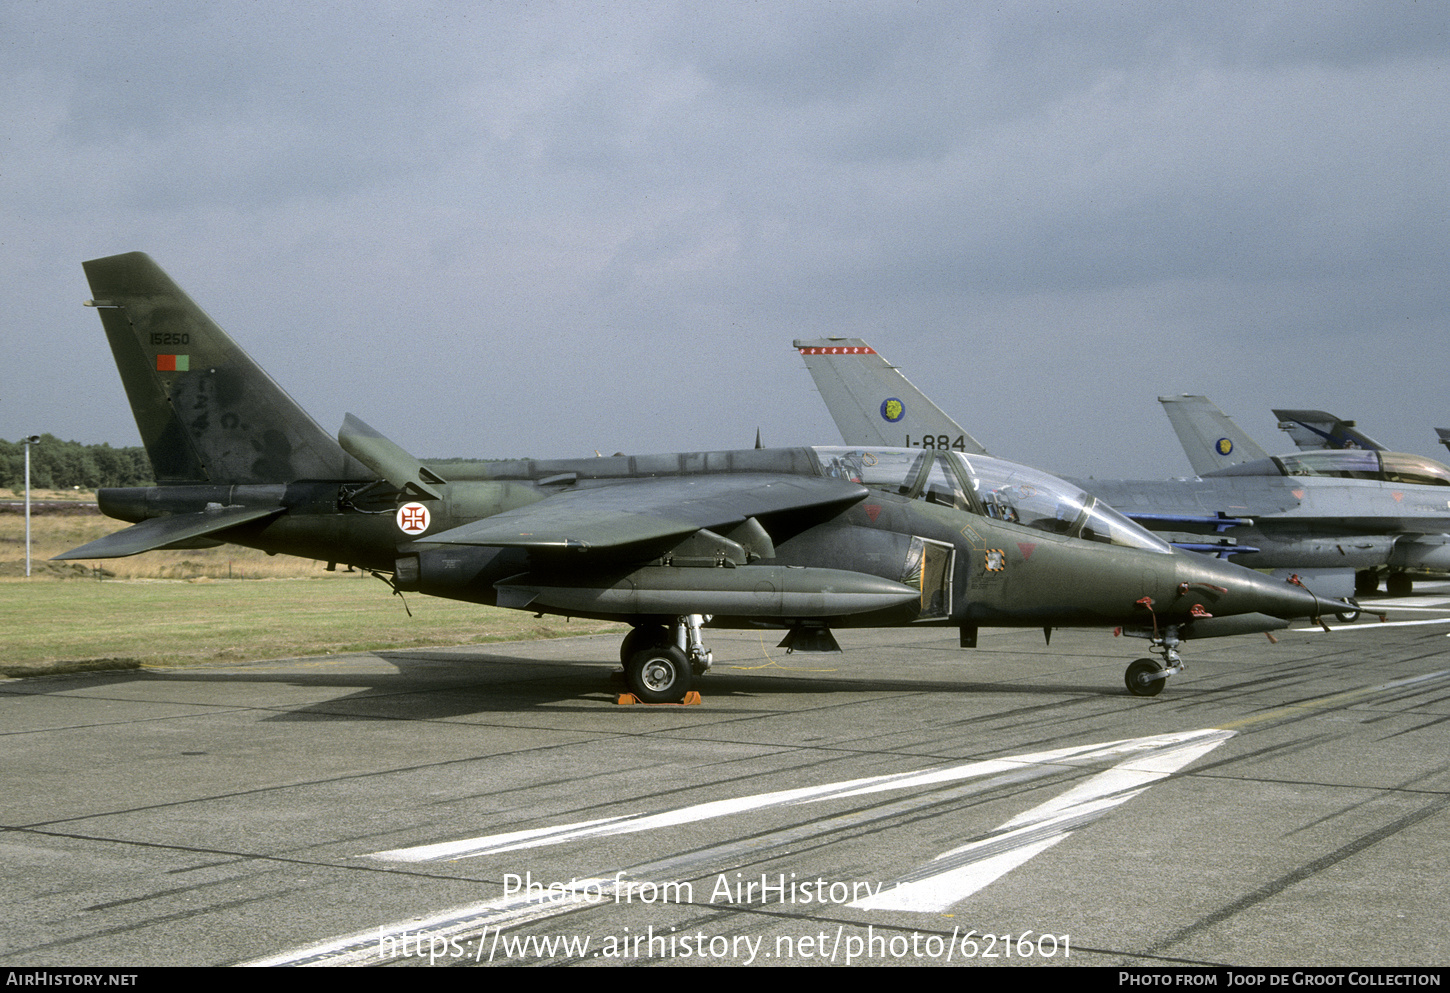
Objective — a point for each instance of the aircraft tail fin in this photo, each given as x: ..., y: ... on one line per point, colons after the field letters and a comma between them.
x: 206, y: 411
x: 1315, y: 429
x: 1209, y: 437
x: 873, y: 404
x: 1444, y: 435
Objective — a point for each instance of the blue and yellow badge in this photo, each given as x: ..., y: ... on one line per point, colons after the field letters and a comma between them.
x: 892, y: 409
x: 1223, y: 446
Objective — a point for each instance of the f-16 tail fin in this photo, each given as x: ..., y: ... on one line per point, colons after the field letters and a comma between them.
x: 206, y: 411
x: 1315, y: 429
x: 1209, y: 437
x: 873, y: 404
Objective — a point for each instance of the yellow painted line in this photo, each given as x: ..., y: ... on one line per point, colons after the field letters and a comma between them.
x: 1334, y: 700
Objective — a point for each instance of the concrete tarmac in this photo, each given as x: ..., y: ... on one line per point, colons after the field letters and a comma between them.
x: 906, y: 802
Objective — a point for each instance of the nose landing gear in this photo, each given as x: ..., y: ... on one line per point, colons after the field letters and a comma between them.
x: 1146, y: 677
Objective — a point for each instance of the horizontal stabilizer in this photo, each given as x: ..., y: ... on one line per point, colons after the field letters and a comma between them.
x: 159, y: 532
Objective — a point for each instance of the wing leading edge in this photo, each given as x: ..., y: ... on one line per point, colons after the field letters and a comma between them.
x: 631, y: 512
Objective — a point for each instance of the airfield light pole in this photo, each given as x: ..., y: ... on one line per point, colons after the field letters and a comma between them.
x: 32, y: 440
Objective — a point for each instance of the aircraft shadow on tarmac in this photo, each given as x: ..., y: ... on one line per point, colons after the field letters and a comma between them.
x: 438, y: 685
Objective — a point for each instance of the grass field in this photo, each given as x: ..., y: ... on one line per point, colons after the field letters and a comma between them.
x: 51, y: 626
x: 51, y: 534
x: 180, y: 608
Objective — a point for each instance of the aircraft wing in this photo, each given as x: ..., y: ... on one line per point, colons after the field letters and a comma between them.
x: 638, y: 511
x: 158, y: 532
x: 873, y: 404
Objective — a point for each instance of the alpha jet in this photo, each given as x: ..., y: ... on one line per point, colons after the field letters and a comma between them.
x: 799, y: 539
x: 1334, y: 518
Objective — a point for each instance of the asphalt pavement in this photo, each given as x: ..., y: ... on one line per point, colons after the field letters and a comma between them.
x: 906, y: 802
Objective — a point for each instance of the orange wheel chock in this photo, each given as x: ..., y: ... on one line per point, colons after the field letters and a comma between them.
x: 692, y: 699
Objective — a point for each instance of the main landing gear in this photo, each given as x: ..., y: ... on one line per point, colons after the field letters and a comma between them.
x: 1146, y: 677
x: 1367, y: 581
x: 661, y: 662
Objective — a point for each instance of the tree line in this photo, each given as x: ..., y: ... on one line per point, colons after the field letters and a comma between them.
x: 63, y: 465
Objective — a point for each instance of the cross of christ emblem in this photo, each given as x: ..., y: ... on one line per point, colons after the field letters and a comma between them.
x: 413, y: 518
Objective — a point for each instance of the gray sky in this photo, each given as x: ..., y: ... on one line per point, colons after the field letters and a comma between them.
x: 544, y: 229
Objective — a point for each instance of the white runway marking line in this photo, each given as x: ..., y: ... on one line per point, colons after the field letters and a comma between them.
x: 367, y: 947
x: 1373, y: 626
x: 955, y: 875
x: 630, y: 824
x: 1148, y: 759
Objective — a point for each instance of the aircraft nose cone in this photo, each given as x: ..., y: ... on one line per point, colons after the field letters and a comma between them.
x: 1246, y: 591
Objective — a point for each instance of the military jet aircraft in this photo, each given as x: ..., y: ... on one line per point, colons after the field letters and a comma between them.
x: 1330, y: 449
x: 1334, y: 518
x: 1213, y: 442
x: 800, y: 539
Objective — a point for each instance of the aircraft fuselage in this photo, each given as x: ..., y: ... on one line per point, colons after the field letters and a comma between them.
x: 968, y: 569
x: 1285, y: 522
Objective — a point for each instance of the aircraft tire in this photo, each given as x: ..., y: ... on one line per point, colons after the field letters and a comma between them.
x: 1399, y: 584
x: 1137, y: 685
x: 1366, y: 581
x: 1350, y: 615
x: 658, y: 675
x: 643, y: 636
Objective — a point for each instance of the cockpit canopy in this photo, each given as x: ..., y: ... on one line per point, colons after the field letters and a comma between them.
x: 979, y: 484
x: 1350, y: 463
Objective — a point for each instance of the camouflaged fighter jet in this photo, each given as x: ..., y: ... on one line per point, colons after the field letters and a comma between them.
x: 1336, y: 519
x: 800, y: 539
